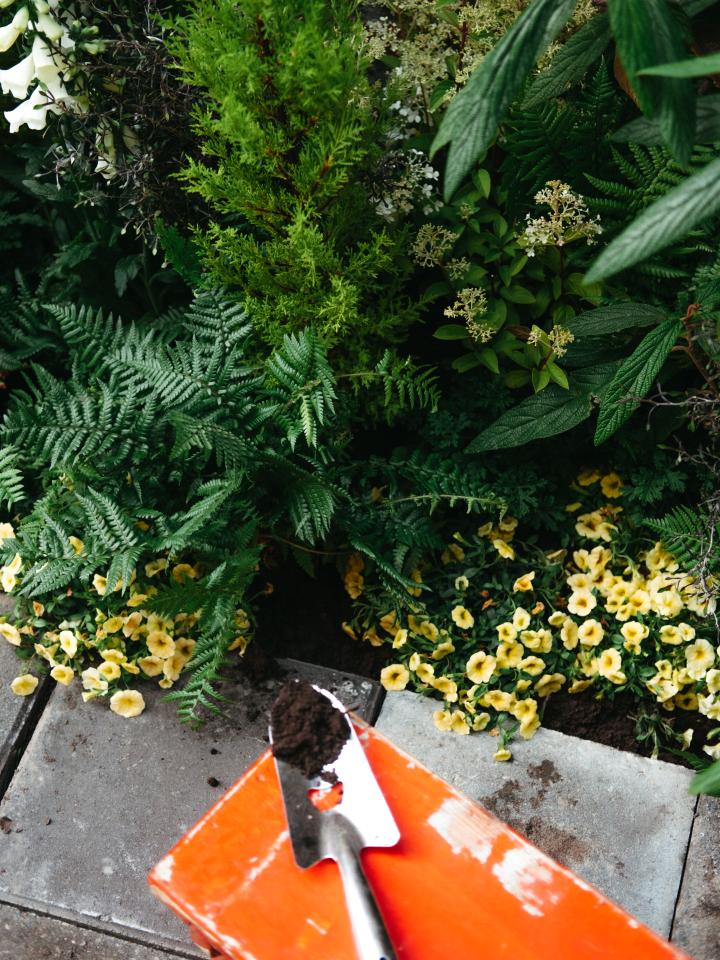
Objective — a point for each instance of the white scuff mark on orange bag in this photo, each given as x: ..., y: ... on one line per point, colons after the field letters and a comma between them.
x: 255, y: 872
x: 465, y: 828
x: 526, y: 874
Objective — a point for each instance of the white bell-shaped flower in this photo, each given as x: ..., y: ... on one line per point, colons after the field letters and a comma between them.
x: 31, y: 112
x: 10, y: 33
x: 16, y: 80
x: 49, y: 26
x: 49, y: 68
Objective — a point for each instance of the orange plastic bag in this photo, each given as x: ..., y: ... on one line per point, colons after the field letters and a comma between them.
x: 459, y: 884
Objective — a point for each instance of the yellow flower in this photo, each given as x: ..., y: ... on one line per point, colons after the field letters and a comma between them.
x: 63, y: 675
x: 687, y: 700
x: 155, y: 566
x: 556, y: 619
x: 347, y: 628
x: 592, y: 526
x: 670, y: 634
x: 522, y: 686
x: 664, y: 669
x: 639, y: 601
x: 447, y: 687
x: 109, y: 670
x: 461, y: 583
x: 524, y: 583
x: 506, y: 631
x: 504, y: 549
x: 68, y: 642
x: 498, y: 699
x: 24, y: 685
x: 538, y: 640
x: 577, y: 686
x: 92, y: 680
x: 137, y: 599
x: 521, y: 619
x: 400, y: 639
x: 569, y: 634
x: 700, y: 656
x: 480, y: 667
x: 395, y: 677
x: 172, y: 666
x: 373, y: 638
x: 480, y: 721
x: 355, y: 563
x: 38, y: 608
x: 462, y: 618
x: 77, y: 544
x: 687, y: 632
x: 550, y: 683
x: 502, y: 755
x: 160, y: 644
x: 509, y: 654
x: 581, y: 602
x: 524, y: 709
x: 508, y: 524
x: 529, y: 727
x: 8, y: 580
x: 429, y: 631
x: 590, y: 633
x: 667, y: 604
x: 183, y: 571
x: 459, y: 724
x: 6, y: 532
x: 100, y: 584
x: 113, y: 624
x: 712, y: 680
x: 609, y: 663
x: 443, y: 720
x: 532, y: 665
x: 127, y: 703
x: 425, y: 673
x: 151, y: 666
x: 442, y: 650
x: 10, y: 633
x: 580, y: 581
x: 611, y: 486
x: 388, y: 622
x: 113, y: 656
x: 131, y: 623
x: 632, y: 630
x: 417, y: 577
x: 184, y: 647
x: 587, y: 477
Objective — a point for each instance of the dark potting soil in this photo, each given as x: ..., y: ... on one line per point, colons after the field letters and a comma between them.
x: 307, y: 730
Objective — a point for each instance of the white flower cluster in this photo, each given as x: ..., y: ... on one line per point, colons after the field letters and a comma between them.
x: 412, y: 181
x: 568, y: 219
x: 46, y: 68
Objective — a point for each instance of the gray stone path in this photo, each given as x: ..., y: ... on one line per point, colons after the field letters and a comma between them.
x: 96, y: 800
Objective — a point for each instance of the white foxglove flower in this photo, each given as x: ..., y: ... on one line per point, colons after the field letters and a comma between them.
x: 48, y: 68
x: 50, y: 27
x: 17, y: 79
x: 31, y: 112
x: 10, y: 33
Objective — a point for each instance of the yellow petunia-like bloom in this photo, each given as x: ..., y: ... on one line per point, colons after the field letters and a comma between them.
x: 611, y: 486
x: 395, y: 677
x: 461, y: 583
x: 160, y: 644
x: 7, y: 532
x: 447, y: 687
x: 480, y: 667
x: 524, y: 709
x: 100, y: 584
x: 549, y: 684
x: 578, y: 686
x: 459, y: 724
x: 540, y: 641
x: 68, y: 642
x: 151, y: 666
x: 529, y: 727
x: 400, y: 638
x: 569, y: 634
x: 442, y: 650
x: 609, y: 663
x: 580, y: 581
x: 524, y: 583
x: 108, y: 670
x: 480, y: 721
x: 670, y: 634
x: 62, y: 674
x: 113, y: 624
x: 127, y: 703
x: 155, y: 566
x: 594, y: 527
x: 502, y: 755
x: 587, y: 477
x: 443, y: 720
x: 184, y: 647
x: 24, y: 685
x: 8, y: 580
x: 429, y: 631
x: 712, y: 681
x: 462, y: 618
x: 113, y: 656
x: 506, y: 631
x: 10, y: 633
x: 582, y: 602
x: 556, y: 619
x: 92, y: 680
x: 590, y: 633
x: 533, y: 666
x: 504, y: 549
x: 425, y: 673
x: 521, y: 619
x: 499, y: 700
x: 509, y: 654
x: 700, y: 657
x: 77, y: 545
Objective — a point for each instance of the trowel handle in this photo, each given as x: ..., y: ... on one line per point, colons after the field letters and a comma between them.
x: 371, y: 937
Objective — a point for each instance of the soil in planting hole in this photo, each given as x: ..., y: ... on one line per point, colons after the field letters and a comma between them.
x: 308, y: 732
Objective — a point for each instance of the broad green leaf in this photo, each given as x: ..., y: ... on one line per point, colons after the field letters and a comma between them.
x: 685, y: 69
x: 468, y: 361
x: 558, y: 375
x: 614, y: 317
x: 540, y: 379
x: 647, y: 33
x: 669, y: 218
x: 635, y: 377
x: 707, y: 781
x: 546, y: 414
x: 570, y: 63
x: 451, y: 331
x: 516, y: 379
x: 517, y: 294
x: 482, y: 180
x: 489, y: 359
x: 471, y: 121
x: 646, y: 131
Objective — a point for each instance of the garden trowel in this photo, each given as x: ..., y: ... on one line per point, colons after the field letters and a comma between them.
x: 334, y: 816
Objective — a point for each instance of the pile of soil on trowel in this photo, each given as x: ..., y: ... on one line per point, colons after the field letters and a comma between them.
x: 308, y: 732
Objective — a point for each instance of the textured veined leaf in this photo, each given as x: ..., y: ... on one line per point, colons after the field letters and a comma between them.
x: 472, y: 119
x: 647, y: 33
x: 614, y: 317
x: 635, y: 377
x: 669, y: 218
x: 646, y: 131
x: 570, y: 63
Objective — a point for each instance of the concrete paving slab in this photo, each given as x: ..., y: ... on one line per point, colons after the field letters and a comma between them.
x: 620, y: 821
x: 97, y: 799
x: 696, y: 927
x: 25, y: 935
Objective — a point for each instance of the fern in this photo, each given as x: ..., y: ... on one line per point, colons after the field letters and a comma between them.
x: 687, y: 535
x: 11, y: 481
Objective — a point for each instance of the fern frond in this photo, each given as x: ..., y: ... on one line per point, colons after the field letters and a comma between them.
x: 11, y: 480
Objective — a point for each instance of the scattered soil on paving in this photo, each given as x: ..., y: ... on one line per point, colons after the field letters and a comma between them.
x: 307, y: 730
